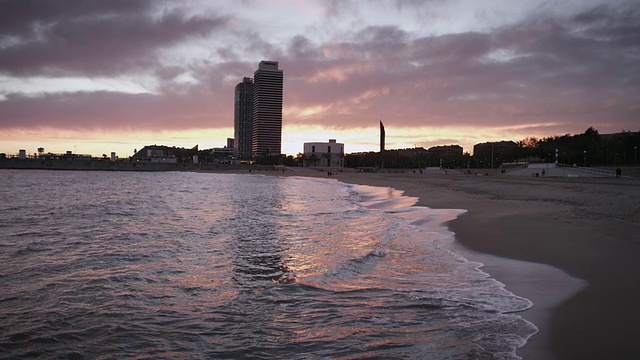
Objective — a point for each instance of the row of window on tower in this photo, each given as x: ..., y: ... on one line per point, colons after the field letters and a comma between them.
x: 258, y: 113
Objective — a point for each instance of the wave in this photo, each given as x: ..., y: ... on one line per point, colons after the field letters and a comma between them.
x: 277, y: 267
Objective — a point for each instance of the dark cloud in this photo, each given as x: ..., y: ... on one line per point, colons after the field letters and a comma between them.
x: 301, y: 48
x: 176, y: 105
x: 22, y: 18
x: 576, y: 71
x: 92, y: 39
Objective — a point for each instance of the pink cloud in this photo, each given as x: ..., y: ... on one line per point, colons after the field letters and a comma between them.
x: 572, y: 71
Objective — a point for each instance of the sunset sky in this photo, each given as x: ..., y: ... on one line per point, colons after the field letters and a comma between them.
x: 100, y: 76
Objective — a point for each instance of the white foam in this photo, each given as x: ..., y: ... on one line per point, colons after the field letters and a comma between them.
x: 432, y: 226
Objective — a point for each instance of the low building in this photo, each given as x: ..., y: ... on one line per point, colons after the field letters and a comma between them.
x: 411, y: 152
x: 330, y: 154
x: 224, y: 154
x: 495, y: 147
x: 68, y: 156
x: 165, y: 154
x: 492, y: 154
x: 446, y: 151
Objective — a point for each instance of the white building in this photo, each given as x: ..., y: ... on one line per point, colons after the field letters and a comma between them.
x: 329, y: 154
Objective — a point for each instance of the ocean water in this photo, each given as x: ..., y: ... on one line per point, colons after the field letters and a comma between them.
x: 114, y: 265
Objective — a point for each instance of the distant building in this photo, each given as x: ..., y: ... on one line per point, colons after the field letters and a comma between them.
x: 444, y: 155
x: 382, y: 135
x: 267, y: 109
x: 497, y: 147
x: 330, y: 154
x: 415, y: 151
x: 494, y: 153
x: 68, y: 156
x: 243, y: 118
x: 165, y: 154
x: 446, y: 151
x: 224, y: 154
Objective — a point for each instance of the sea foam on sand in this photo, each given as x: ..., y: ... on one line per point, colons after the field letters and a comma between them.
x: 545, y: 286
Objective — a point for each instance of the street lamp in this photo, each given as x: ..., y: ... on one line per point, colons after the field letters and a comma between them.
x: 584, y: 160
x: 635, y: 154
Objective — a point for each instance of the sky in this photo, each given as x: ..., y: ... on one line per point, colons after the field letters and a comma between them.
x: 98, y: 76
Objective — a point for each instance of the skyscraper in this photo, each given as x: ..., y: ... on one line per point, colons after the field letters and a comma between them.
x: 243, y: 118
x: 267, y: 109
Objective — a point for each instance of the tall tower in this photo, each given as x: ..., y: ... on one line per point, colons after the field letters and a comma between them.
x: 267, y: 109
x: 381, y: 137
x: 243, y: 118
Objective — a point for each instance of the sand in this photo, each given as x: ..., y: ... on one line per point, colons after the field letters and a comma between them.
x: 570, y: 245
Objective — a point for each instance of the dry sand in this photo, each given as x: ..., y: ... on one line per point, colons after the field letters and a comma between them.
x: 586, y: 227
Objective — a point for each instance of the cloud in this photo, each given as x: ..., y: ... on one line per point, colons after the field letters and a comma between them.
x: 191, y: 108
x: 94, y: 38
x: 571, y: 70
x: 23, y: 18
x: 543, y: 68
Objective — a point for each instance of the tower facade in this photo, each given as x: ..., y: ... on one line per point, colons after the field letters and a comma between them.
x: 267, y: 109
x: 381, y: 137
x: 243, y: 119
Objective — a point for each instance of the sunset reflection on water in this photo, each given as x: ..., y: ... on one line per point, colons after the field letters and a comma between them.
x: 228, y: 266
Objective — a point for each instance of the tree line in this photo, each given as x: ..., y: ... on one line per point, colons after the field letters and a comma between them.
x: 587, y: 149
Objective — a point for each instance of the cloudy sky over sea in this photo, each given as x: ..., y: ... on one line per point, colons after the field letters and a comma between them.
x: 100, y: 76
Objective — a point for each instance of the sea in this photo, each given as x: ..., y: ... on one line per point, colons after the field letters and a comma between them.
x: 187, y: 265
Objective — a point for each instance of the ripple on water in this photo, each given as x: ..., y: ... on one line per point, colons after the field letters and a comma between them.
x: 187, y: 265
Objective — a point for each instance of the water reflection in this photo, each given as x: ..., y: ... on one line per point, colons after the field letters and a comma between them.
x: 257, y: 251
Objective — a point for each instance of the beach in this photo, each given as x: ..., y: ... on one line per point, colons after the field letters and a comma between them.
x: 584, y: 233
x: 569, y: 245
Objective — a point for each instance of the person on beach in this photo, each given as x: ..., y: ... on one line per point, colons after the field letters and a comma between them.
x: 618, y: 172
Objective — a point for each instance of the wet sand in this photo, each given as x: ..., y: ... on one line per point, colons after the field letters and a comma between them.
x: 588, y: 228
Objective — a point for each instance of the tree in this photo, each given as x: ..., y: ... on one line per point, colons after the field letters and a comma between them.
x: 592, y: 134
x: 289, y: 161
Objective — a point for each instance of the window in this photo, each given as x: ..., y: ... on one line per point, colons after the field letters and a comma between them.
x: 329, y: 149
x: 313, y: 148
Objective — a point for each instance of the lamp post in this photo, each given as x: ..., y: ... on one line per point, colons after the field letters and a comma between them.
x: 635, y: 155
x: 584, y: 159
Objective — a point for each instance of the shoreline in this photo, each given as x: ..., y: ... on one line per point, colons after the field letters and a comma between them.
x: 542, y: 237
x: 583, y: 231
